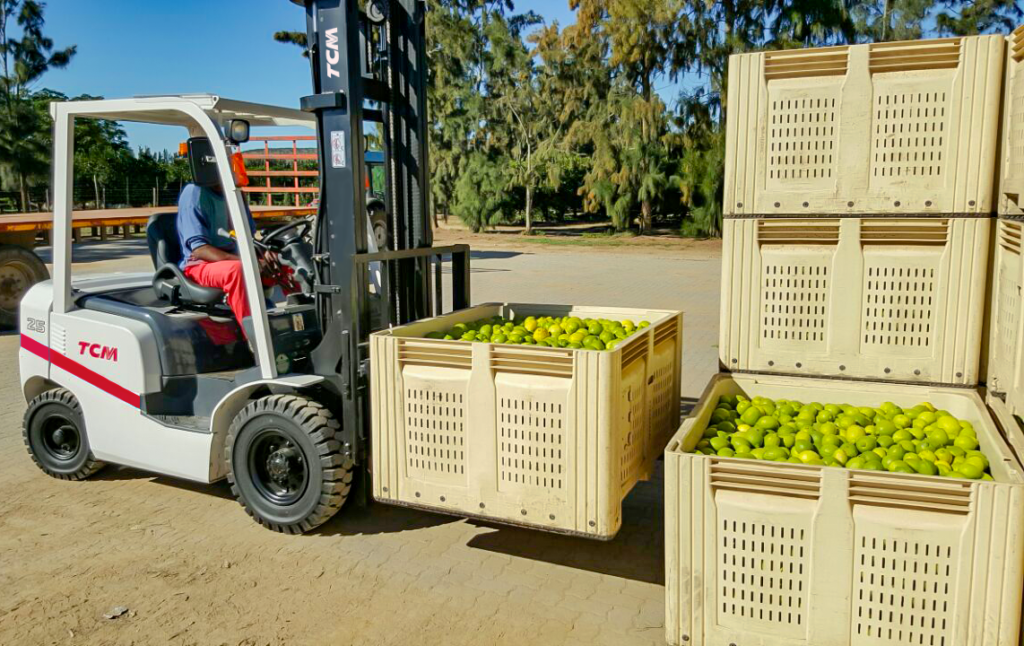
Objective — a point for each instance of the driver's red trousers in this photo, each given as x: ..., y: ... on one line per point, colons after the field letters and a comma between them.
x: 225, y: 275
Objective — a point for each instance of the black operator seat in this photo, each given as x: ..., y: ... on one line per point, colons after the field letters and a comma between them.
x: 169, y: 282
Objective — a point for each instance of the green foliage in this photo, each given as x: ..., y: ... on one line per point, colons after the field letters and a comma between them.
x: 533, y: 121
x: 23, y: 61
x: 481, y: 197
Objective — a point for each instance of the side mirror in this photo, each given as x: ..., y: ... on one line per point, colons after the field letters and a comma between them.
x: 238, y: 131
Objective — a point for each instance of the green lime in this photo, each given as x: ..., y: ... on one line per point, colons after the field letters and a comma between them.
x: 924, y: 467
x: 970, y: 471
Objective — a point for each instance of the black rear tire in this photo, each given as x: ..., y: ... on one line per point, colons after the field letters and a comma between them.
x: 54, y: 434
x: 285, y: 463
x: 20, y: 269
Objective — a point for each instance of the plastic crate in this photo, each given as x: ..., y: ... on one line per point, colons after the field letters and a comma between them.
x: 1011, y: 191
x: 902, y: 128
x: 894, y: 299
x: 546, y: 437
x: 779, y: 554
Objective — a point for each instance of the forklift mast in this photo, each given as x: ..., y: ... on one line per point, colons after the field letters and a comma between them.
x: 371, y: 67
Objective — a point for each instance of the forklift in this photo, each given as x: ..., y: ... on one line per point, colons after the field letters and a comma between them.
x: 152, y: 371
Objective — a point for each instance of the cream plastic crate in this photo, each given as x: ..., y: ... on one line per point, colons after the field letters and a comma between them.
x: 792, y: 555
x: 900, y: 299
x: 1011, y: 193
x: 903, y: 128
x: 545, y: 437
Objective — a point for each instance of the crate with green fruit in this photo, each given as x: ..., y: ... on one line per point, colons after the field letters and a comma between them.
x: 571, y: 332
x: 803, y: 511
x: 921, y: 439
x: 525, y: 413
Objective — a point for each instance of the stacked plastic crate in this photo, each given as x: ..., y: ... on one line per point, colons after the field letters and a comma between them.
x: 859, y: 201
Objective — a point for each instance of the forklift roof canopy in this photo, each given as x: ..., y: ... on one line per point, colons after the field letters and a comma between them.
x: 166, y: 110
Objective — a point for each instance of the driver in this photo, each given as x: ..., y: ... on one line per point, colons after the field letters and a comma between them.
x: 209, y: 253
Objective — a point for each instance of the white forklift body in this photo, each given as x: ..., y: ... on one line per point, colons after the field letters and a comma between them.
x: 110, y: 362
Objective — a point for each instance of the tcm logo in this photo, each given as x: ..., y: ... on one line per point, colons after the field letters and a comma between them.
x: 332, y: 52
x: 97, y: 351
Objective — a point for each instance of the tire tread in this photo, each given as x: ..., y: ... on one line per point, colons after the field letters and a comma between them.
x: 321, y: 426
x: 65, y: 397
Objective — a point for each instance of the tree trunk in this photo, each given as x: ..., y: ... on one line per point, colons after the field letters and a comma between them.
x: 529, y: 207
x: 23, y: 189
x: 96, y: 190
x: 646, y: 217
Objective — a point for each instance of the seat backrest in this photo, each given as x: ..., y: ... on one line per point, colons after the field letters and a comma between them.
x: 162, y: 237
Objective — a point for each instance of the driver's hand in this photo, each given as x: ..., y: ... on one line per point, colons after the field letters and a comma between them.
x: 268, y: 257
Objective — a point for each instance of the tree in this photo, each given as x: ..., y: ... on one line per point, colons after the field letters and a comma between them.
x: 978, y: 17
x: 22, y: 63
x: 629, y: 131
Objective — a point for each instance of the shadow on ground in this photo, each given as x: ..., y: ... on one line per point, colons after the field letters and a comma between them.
x: 352, y: 520
x: 114, y: 473
x: 378, y: 518
x: 636, y: 552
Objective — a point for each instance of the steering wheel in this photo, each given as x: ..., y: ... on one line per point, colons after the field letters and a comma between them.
x: 276, y: 239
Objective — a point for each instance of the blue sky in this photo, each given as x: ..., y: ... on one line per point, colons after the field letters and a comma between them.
x: 132, y: 47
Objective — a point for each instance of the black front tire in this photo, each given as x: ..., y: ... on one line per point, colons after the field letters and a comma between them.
x: 285, y: 463
x: 54, y: 434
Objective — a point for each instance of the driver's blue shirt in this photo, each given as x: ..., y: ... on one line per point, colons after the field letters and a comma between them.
x: 203, y: 219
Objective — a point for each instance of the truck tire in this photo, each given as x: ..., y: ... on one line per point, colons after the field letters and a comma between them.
x: 54, y: 434
x: 285, y: 463
x: 379, y: 222
x: 19, y: 270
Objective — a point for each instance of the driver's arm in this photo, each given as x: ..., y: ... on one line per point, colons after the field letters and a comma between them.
x: 209, y: 253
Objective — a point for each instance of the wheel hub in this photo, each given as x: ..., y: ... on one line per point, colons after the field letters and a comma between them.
x: 281, y: 462
x: 277, y: 468
x: 61, y: 440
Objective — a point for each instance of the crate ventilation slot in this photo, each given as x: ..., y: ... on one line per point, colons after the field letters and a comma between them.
x: 666, y: 331
x: 802, y: 137
x: 904, y: 592
x: 762, y: 574
x: 901, y: 232
x: 531, y: 451
x: 1017, y: 44
x: 794, y: 298
x: 435, y: 432
x: 787, y: 232
x: 549, y: 362
x: 915, y: 55
x: 634, y: 350
x: 1009, y: 236
x: 910, y: 134
x: 923, y: 493
x: 441, y: 354
x: 899, y: 306
x: 826, y: 61
x: 778, y: 480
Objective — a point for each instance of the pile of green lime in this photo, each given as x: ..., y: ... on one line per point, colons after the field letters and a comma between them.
x: 552, y: 331
x: 888, y: 438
